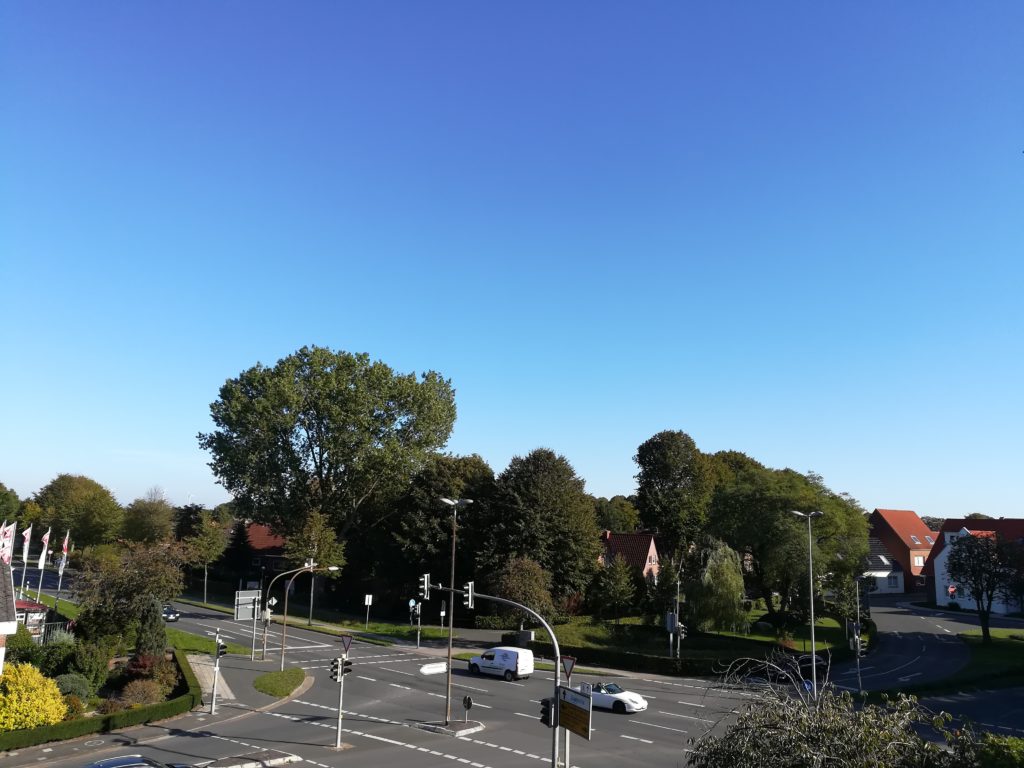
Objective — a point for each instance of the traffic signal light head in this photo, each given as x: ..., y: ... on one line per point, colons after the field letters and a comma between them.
x: 346, y: 665
x: 548, y: 712
x: 222, y: 648
x: 681, y: 628
x: 425, y: 586
x: 335, y: 670
x: 467, y: 598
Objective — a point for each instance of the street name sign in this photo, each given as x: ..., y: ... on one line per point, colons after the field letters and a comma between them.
x: 574, y: 710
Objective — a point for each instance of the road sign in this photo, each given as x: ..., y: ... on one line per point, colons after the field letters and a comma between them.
x: 467, y: 702
x: 346, y: 642
x: 951, y: 590
x: 412, y: 603
x: 574, y: 709
x: 368, y: 601
x: 246, y: 601
x: 568, y: 662
x: 436, y: 668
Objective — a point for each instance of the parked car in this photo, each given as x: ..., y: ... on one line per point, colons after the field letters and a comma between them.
x: 133, y: 761
x: 614, y: 697
x: 503, y: 661
x: 169, y: 613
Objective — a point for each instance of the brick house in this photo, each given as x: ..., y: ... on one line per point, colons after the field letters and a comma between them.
x: 637, y: 549
x: 907, y: 541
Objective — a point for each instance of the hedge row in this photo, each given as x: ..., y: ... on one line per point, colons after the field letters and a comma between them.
x: 633, y: 662
x: 189, y: 695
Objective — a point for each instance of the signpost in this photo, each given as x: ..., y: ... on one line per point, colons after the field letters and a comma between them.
x: 467, y: 702
x: 568, y: 664
x: 367, y: 601
x: 574, y: 711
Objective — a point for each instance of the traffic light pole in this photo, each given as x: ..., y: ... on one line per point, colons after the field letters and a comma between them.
x: 216, y: 673
x: 341, y: 698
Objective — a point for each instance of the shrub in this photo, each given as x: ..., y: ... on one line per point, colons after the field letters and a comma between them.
x: 92, y: 662
x: 140, y: 666
x: 28, y: 699
x: 22, y: 648
x: 55, y: 658
x: 141, y: 692
x: 112, y: 705
x: 165, y: 674
x: 75, y: 707
x: 74, y: 684
x: 1001, y: 752
x: 60, y: 637
x: 151, y: 638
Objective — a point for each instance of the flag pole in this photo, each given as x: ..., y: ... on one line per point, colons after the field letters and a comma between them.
x: 42, y: 564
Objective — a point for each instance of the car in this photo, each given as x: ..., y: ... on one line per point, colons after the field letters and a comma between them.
x: 503, y: 661
x: 133, y: 761
x: 169, y: 614
x: 614, y: 697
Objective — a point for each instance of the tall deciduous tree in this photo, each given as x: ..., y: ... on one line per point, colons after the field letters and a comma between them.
x: 540, y: 510
x: 207, y: 545
x: 673, y: 489
x: 150, y: 519
x: 617, y: 514
x: 316, y: 541
x: 524, y: 581
x: 324, y: 430
x: 9, y: 503
x: 616, y: 590
x: 983, y: 565
x: 82, y: 505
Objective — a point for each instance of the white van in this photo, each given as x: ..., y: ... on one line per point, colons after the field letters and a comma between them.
x: 510, y: 663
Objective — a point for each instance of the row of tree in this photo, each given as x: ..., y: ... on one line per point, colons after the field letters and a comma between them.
x: 333, y: 450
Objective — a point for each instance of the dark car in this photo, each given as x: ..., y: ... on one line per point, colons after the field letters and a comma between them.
x: 133, y: 761
x: 169, y: 613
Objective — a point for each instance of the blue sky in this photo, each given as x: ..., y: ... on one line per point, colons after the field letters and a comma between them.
x: 788, y: 229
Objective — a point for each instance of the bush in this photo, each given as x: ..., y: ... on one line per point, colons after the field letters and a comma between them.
x: 60, y: 637
x: 22, y: 648
x: 165, y: 674
x: 1001, y: 752
x: 92, y: 662
x: 28, y: 699
x: 74, y: 684
x: 55, y: 658
x: 112, y: 705
x: 140, y: 666
x: 75, y: 707
x: 141, y: 692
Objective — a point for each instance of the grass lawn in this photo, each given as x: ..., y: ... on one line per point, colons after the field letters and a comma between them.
x: 279, y: 684
x: 189, y: 643
x: 69, y: 610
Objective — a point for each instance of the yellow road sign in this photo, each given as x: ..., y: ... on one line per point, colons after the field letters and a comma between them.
x: 574, y: 710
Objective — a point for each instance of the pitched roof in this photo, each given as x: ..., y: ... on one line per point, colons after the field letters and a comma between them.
x: 633, y: 547
x: 1008, y: 527
x: 880, y: 560
x: 264, y: 541
x: 908, y: 526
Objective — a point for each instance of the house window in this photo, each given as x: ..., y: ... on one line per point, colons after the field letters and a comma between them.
x: 929, y: 539
x: 884, y: 559
x: 918, y: 560
x: 893, y: 581
x: 914, y: 539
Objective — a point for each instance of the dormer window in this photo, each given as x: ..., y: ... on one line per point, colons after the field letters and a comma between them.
x: 929, y: 539
x: 884, y: 559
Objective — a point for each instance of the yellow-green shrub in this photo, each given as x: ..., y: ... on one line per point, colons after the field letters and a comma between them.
x: 28, y: 699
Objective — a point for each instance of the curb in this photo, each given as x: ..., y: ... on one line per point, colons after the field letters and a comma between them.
x: 448, y: 731
x: 253, y: 761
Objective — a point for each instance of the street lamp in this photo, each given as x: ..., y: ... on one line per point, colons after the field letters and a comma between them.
x: 293, y: 573
x: 455, y: 504
x: 810, y: 577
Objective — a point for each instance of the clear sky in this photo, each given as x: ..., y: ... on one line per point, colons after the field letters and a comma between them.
x: 789, y: 229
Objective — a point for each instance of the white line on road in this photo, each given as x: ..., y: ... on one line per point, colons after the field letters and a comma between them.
x: 398, y: 671
x: 636, y: 738
x: 403, y: 687
x: 470, y: 687
x: 532, y: 717
x: 691, y: 704
x: 685, y: 717
x: 371, y: 679
x: 652, y: 725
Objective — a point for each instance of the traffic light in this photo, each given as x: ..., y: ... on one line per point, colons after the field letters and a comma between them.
x: 346, y: 666
x: 222, y: 648
x: 862, y: 645
x: 681, y: 628
x: 425, y: 586
x: 548, y: 712
x: 467, y: 598
x: 336, y: 669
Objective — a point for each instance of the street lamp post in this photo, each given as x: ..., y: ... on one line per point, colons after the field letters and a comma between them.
x: 455, y: 504
x: 266, y: 601
x: 312, y: 568
x: 810, y: 578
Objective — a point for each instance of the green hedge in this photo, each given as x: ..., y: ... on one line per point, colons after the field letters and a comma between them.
x: 189, y: 695
x: 634, y: 662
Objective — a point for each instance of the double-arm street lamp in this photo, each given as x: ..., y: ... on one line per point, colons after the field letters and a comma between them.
x: 810, y: 577
x: 310, y: 567
x: 455, y: 504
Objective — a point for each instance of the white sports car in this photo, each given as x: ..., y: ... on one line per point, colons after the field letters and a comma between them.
x: 617, y: 699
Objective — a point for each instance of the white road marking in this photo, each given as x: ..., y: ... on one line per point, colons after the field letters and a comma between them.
x: 532, y: 717
x: 403, y: 687
x: 371, y: 679
x: 652, y: 725
x: 398, y: 671
x: 636, y: 738
x: 686, y: 717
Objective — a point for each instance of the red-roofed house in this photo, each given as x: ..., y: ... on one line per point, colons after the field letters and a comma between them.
x: 1010, y: 529
x: 637, y: 549
x: 267, y: 547
x: 907, y: 540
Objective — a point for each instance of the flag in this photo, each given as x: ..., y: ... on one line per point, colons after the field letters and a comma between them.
x: 7, y: 542
x: 64, y: 550
x: 42, y: 555
x: 27, y: 535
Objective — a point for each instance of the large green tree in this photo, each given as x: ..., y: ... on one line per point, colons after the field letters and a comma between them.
x: 524, y: 581
x: 149, y: 519
x: 207, y: 545
x: 673, y: 489
x: 714, y: 596
x: 9, y: 503
x: 82, y: 505
x: 327, y: 431
x: 540, y: 510
x: 615, y: 592
x: 617, y: 514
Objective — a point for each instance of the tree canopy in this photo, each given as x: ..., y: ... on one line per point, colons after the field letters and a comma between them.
x: 82, y: 505
x: 9, y: 503
x: 983, y: 565
x: 617, y: 514
x: 149, y: 519
x: 326, y: 431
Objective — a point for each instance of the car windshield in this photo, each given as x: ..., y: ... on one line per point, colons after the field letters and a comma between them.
x: 613, y: 688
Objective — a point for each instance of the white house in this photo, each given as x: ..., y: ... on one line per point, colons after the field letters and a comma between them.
x: 946, y: 590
